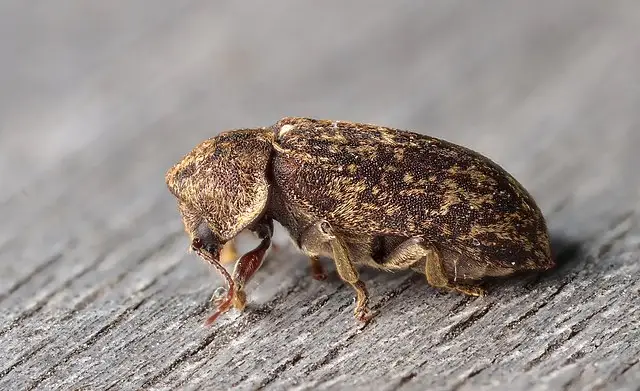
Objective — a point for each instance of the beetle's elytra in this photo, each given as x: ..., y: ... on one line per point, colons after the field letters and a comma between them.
x: 359, y: 194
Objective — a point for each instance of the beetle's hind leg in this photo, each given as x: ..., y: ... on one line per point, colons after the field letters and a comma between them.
x: 415, y: 253
x: 437, y: 276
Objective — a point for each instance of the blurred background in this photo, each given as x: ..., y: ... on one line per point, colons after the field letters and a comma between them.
x: 134, y: 86
x: 99, y: 99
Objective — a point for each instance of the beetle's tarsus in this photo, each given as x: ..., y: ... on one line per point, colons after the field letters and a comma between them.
x: 469, y: 290
x: 319, y: 276
x: 224, y: 301
x: 364, y: 315
x: 362, y: 311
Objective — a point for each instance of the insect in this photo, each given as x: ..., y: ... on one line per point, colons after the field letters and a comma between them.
x: 362, y: 195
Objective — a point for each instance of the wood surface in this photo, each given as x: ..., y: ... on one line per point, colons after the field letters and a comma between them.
x: 98, y: 99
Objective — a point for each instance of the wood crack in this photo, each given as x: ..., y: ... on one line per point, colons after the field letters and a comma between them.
x: 531, y: 312
x: 574, y: 330
x: 184, y: 356
x: 461, y: 303
x: 473, y: 373
x: 222, y: 335
x: 25, y: 280
x: 332, y: 354
x: 43, y: 302
x: 86, y: 344
x: 393, y: 293
x: 22, y: 359
x: 280, y: 370
x: 165, y: 243
x: 405, y: 379
x: 319, y: 303
x: 458, y: 328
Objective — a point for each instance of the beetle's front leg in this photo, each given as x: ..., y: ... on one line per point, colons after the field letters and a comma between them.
x: 211, y: 254
x: 247, y: 265
x: 229, y: 252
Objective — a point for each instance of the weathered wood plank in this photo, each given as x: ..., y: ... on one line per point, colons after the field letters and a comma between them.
x: 97, y: 290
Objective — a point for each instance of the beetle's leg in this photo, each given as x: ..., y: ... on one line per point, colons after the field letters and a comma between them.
x: 412, y: 251
x: 249, y: 263
x: 245, y: 268
x: 320, y: 237
x: 406, y: 255
x: 313, y: 241
x: 212, y: 257
x: 437, y: 276
x: 317, y: 270
x: 229, y: 253
x: 348, y: 273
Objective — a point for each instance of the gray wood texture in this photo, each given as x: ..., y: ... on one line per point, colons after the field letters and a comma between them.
x: 98, y: 99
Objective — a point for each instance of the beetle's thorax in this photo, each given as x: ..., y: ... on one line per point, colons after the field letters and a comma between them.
x: 223, y: 182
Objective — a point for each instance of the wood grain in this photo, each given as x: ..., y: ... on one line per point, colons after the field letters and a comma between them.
x: 97, y: 290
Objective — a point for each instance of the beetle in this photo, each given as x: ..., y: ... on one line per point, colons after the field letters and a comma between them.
x: 362, y: 195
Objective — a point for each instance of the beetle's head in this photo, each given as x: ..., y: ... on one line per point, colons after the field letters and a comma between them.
x: 221, y: 185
